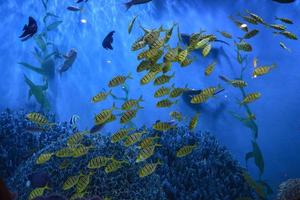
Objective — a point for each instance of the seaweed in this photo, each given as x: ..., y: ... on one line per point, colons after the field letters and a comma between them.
x: 45, y: 53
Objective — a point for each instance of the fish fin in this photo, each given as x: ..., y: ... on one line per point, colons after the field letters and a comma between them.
x: 30, y: 94
x: 128, y: 5
x: 25, y: 27
x: 31, y: 21
x: 140, y: 98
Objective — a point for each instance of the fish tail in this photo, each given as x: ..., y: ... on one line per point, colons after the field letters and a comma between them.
x: 128, y: 5
x: 224, y: 78
x: 141, y: 99
x: 129, y: 76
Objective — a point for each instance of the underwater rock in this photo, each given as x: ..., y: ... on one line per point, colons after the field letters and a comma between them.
x: 208, y: 173
x: 38, y: 179
x: 289, y: 190
x: 20, y: 139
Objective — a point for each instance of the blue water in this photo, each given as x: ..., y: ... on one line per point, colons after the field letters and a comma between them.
x: 277, y: 112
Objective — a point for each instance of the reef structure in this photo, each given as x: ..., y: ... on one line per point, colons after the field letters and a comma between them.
x: 209, y: 172
x: 289, y: 190
x: 21, y: 139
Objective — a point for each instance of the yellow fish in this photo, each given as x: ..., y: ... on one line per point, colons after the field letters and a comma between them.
x: 127, y: 105
x: 146, y: 153
x: 64, y: 152
x: 199, y: 98
x: 83, y: 182
x: 81, y: 151
x: 71, y: 182
x: 101, y: 96
x: 225, y: 34
x: 75, y: 139
x: 259, y: 71
x: 176, y: 115
x: 165, y: 103
x: 148, y: 169
x: 162, y: 91
x: 185, y: 150
x: 182, y: 55
x: 134, y: 138
x: 44, y: 158
x: 120, y: 135
x: 163, y: 79
x: 147, y: 142
x: 176, y: 92
x: 98, y: 162
x: 138, y: 45
x: 130, y: 26
x: 118, y: 80
x: 147, y: 78
x: 129, y: 115
x: 104, y: 115
x: 194, y: 121
x: 251, y: 97
x: 209, y: 69
x: 162, y: 126
x: 38, y: 119
x: 38, y: 192
x: 144, y: 65
x: 206, y: 50
x: 114, y: 165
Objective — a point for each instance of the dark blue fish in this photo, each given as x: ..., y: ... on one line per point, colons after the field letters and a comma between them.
x: 135, y: 2
x: 73, y: 8
x: 108, y: 40
x: 79, y: 1
x: 284, y: 1
x: 29, y: 29
x: 96, y: 128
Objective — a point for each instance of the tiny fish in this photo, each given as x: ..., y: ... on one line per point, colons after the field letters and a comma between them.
x: 101, y: 96
x: 209, y: 69
x: 182, y: 55
x: 104, y: 115
x: 118, y: 80
x: 194, y: 121
x: 98, y: 162
x: 176, y: 92
x: 162, y: 91
x: 120, y: 135
x: 74, y: 9
x: 176, y: 115
x: 83, y: 182
x: 131, y: 24
x: 206, y: 50
x: 81, y: 150
x: 251, y: 34
x: 259, y: 71
x: 114, y: 165
x: 144, y: 65
x: 278, y: 27
x: 225, y: 34
x: 165, y: 103
x: 146, y: 153
x: 64, y: 152
x: 38, y: 192
x: 244, y: 46
x: 251, y: 98
x: 134, y: 138
x: 38, y: 118
x: 285, y: 20
x: 185, y: 150
x: 147, y: 78
x: 147, y: 142
x: 44, y: 158
x: 282, y: 45
x: 162, y: 126
x: 288, y: 35
x: 256, y: 17
x: 163, y: 79
x: 127, y: 105
x: 71, y: 182
x: 148, y: 169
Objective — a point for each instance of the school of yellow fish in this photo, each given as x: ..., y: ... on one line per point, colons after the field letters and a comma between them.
x: 156, y: 58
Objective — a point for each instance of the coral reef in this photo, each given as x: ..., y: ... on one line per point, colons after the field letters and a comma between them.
x: 208, y: 173
x: 20, y: 139
x: 289, y: 190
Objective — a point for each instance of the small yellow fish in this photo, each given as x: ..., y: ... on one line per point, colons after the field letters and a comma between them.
x: 75, y: 139
x: 165, y: 103
x: 278, y: 27
x: 147, y: 78
x: 71, y: 182
x: 199, y: 98
x: 148, y: 169
x: 131, y: 24
x: 206, y: 50
x: 81, y: 151
x: 162, y: 126
x: 104, y: 115
x: 209, y: 69
x: 182, y: 55
x: 118, y: 80
x: 251, y: 34
x: 162, y: 91
x: 256, y: 17
x: 83, y: 182
x: 146, y: 153
x: 120, y: 135
x: 176, y: 92
x: 288, y: 35
x: 38, y: 118
x: 176, y: 115
x: 186, y: 62
x: 157, y: 44
x: 147, y: 142
x: 185, y: 150
x: 250, y: 20
x: 284, y: 20
x: 138, y: 45
x: 64, y: 152
x: 225, y: 34
x: 44, y: 158
x: 144, y: 65
x: 171, y: 55
x: 259, y: 71
x: 201, y: 44
x: 129, y: 115
x: 167, y: 65
x: 157, y: 56
x: 98, y: 162
x: 194, y: 121
x: 251, y: 97
x: 38, y: 192
x: 127, y: 105
x: 134, y: 138
x: 114, y: 165
x: 163, y: 79
x: 244, y: 46
x: 238, y: 83
x: 101, y: 96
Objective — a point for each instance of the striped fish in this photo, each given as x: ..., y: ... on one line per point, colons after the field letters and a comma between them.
x: 83, y: 182
x: 162, y: 91
x: 118, y: 80
x: 120, y: 134
x: 194, y: 121
x: 38, y: 192
x: 148, y: 169
x: 147, y: 142
x: 71, y: 182
x: 146, y: 153
x: 38, y: 118
x: 44, y: 158
x: 134, y: 138
x: 163, y: 79
x: 185, y: 150
x: 98, y: 162
x: 114, y: 165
